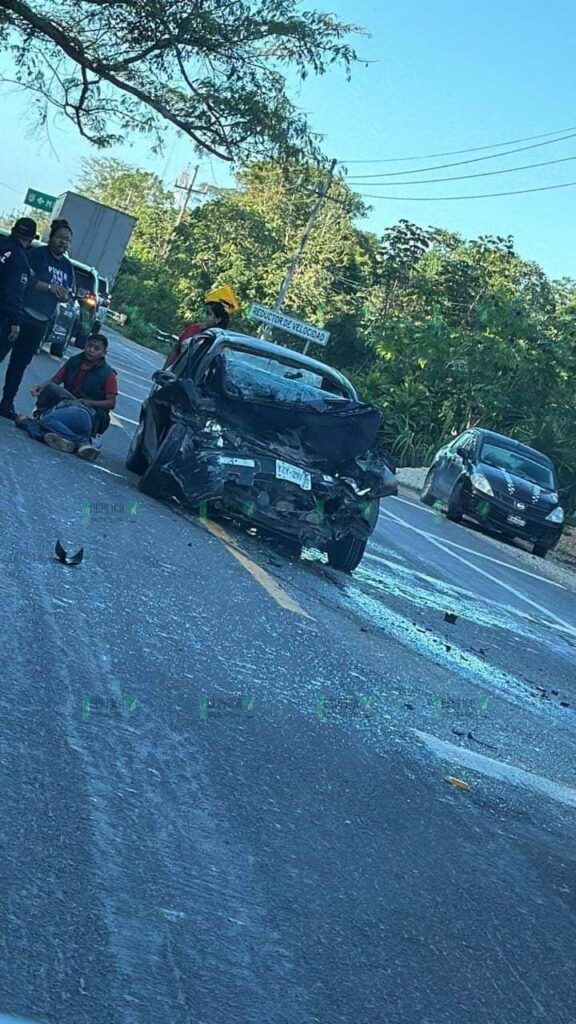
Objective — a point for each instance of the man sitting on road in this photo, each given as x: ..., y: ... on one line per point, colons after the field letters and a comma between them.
x: 74, y: 405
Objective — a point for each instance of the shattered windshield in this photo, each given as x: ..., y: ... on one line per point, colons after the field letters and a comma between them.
x: 518, y: 464
x: 249, y: 375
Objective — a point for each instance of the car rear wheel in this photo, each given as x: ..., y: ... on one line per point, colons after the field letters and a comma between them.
x: 347, y: 553
x: 540, y: 550
x: 454, y: 512
x: 427, y: 496
x: 136, y: 461
x: 155, y: 480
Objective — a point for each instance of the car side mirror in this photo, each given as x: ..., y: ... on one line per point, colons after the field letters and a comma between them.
x: 163, y: 377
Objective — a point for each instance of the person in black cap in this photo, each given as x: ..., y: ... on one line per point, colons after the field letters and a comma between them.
x: 52, y: 282
x: 14, y: 275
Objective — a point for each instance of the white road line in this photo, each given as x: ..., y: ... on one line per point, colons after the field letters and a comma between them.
x: 501, y: 770
x: 117, y: 416
x: 135, y: 384
x: 489, y: 558
x: 494, y: 579
x: 414, y: 504
x: 529, y: 617
x: 104, y: 470
x: 132, y: 397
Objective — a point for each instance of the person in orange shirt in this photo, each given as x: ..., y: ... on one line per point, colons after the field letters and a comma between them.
x: 216, y: 316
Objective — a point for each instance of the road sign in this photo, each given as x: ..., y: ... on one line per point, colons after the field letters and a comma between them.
x: 273, y: 318
x: 40, y: 200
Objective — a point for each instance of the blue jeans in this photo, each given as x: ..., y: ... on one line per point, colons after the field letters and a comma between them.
x: 74, y: 422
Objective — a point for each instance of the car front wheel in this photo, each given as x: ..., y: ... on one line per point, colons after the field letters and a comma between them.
x: 136, y: 460
x: 454, y: 512
x: 540, y: 550
x: 427, y: 496
x: 156, y: 482
x: 347, y: 553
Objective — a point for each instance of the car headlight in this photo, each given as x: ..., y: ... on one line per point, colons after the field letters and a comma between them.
x: 481, y: 483
x: 556, y: 515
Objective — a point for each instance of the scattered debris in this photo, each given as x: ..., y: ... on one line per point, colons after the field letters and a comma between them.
x: 450, y: 617
x: 458, y: 783
x: 470, y: 736
x: 564, y: 704
x: 67, y: 559
x: 409, y: 706
x: 363, y: 629
x: 447, y: 647
x: 555, y: 693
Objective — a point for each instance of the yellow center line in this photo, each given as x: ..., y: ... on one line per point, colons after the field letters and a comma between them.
x: 255, y: 570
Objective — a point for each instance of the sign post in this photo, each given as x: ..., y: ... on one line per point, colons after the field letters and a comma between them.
x: 40, y: 200
x: 274, y: 318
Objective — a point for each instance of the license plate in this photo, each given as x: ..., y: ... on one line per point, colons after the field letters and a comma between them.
x: 516, y: 521
x: 284, y: 471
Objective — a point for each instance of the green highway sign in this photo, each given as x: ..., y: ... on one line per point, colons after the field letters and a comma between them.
x: 39, y: 200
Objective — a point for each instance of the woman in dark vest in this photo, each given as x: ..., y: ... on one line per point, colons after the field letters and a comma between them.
x: 75, y: 404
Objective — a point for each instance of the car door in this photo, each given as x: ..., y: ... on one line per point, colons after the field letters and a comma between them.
x: 451, y: 465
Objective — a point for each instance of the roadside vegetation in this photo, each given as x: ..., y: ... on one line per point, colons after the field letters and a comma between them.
x: 439, y: 331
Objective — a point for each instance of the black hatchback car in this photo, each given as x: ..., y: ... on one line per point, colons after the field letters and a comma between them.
x: 500, y: 483
x: 247, y: 429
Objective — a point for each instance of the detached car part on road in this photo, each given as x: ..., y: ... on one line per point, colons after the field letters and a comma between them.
x: 244, y: 428
x: 500, y: 483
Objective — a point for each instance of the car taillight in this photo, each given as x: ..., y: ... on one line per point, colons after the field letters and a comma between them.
x: 90, y: 299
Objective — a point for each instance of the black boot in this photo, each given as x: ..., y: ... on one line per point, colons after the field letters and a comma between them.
x: 7, y: 410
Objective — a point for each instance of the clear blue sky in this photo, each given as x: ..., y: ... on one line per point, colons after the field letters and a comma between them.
x: 443, y: 76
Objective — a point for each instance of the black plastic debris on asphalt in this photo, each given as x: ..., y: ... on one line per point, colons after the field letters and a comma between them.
x: 66, y: 559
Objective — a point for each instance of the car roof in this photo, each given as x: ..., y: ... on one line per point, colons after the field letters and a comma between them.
x: 83, y: 266
x: 509, y: 442
x: 270, y: 349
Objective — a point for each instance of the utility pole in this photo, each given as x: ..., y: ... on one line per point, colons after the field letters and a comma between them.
x: 288, y: 277
x: 188, y: 189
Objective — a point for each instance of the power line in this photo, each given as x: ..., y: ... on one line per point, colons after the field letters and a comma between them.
x: 462, y: 177
x: 473, y: 160
x: 11, y: 187
x: 484, y: 195
x: 457, y: 152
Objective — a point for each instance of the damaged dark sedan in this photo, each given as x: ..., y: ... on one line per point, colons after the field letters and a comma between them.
x: 249, y: 430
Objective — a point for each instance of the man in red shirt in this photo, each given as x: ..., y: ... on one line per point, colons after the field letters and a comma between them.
x: 74, y: 405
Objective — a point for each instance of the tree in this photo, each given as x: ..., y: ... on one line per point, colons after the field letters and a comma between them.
x: 213, y: 71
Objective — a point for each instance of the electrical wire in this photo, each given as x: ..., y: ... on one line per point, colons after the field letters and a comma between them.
x: 483, y: 195
x: 462, y: 177
x: 457, y: 152
x: 473, y: 160
x: 11, y: 187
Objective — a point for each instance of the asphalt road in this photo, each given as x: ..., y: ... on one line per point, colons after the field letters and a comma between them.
x: 168, y: 858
